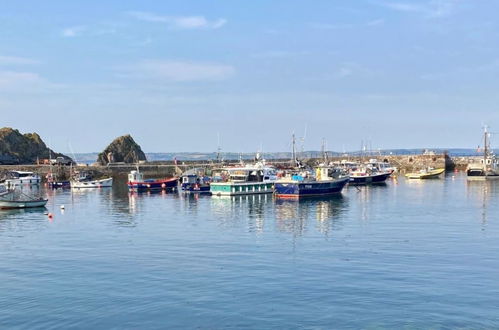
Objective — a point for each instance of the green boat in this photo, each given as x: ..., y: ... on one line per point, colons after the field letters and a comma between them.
x: 244, y: 180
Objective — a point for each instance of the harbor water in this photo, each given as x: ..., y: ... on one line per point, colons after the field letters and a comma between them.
x: 408, y: 254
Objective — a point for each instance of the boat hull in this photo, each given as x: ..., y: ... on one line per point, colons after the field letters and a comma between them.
x: 6, y: 204
x: 369, y: 179
x: 23, y: 181
x: 168, y: 184
x: 309, y: 189
x: 424, y: 176
x: 481, y: 175
x: 241, y: 188
x: 103, y: 183
x: 59, y: 184
x: 196, y: 189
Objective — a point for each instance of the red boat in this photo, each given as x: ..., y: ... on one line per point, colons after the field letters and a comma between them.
x: 137, y: 183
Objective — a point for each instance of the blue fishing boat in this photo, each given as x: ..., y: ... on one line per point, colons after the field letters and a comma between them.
x: 326, y: 181
x: 364, y: 176
x: 194, y: 181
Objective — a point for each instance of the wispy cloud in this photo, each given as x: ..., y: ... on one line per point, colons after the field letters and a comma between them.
x: 177, y: 71
x: 73, y: 31
x: 344, y: 26
x: 15, y: 60
x: 280, y: 54
x: 376, y: 22
x: 179, y: 22
x: 430, y: 9
x: 24, y: 82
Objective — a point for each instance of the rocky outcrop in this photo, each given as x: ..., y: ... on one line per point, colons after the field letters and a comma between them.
x: 123, y: 149
x: 23, y: 148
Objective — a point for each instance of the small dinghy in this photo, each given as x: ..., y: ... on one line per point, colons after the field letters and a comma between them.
x: 10, y: 200
x: 84, y: 180
x: 428, y: 173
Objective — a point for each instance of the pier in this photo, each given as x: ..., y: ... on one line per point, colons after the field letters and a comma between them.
x: 404, y: 163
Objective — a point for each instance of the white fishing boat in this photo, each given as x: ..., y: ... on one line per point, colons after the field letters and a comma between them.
x: 17, y: 178
x: 83, y: 180
x: 487, y: 168
x: 383, y: 166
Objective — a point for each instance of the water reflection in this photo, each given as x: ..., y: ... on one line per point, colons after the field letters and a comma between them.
x: 231, y: 210
x: 366, y: 195
x: 481, y: 193
x: 292, y: 216
x: 18, y: 220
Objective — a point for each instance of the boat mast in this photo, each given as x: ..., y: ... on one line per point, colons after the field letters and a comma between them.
x: 293, y: 155
x: 485, y: 147
x: 324, y: 152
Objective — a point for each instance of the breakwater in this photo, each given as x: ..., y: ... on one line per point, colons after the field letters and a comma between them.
x: 406, y: 163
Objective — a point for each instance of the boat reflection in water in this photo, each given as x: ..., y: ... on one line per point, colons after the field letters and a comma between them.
x: 481, y: 193
x: 293, y: 216
x: 256, y: 209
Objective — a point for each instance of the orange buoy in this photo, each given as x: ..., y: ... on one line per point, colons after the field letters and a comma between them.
x: 50, y: 215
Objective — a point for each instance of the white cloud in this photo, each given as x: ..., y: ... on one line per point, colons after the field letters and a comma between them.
x: 180, y: 22
x: 73, y: 31
x: 280, y: 54
x: 342, y: 26
x: 15, y: 60
x: 429, y: 9
x: 178, y: 71
x: 24, y: 82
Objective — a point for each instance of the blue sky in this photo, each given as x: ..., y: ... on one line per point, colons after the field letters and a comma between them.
x: 400, y: 74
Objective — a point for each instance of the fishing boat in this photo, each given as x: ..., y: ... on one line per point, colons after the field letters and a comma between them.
x: 85, y: 180
x: 384, y: 166
x: 327, y: 180
x: 251, y: 179
x: 136, y: 182
x: 53, y: 183
x: 427, y: 173
x: 487, y: 168
x: 9, y: 200
x: 366, y: 175
x: 16, y: 178
x: 194, y: 181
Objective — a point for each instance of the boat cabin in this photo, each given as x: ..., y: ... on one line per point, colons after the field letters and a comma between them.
x: 20, y: 174
x: 252, y: 174
x: 135, y: 176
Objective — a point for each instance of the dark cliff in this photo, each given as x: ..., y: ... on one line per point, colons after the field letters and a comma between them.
x: 17, y: 148
x: 122, y: 149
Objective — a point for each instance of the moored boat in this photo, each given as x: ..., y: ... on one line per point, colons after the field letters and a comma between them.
x: 136, y: 182
x: 16, y: 178
x: 54, y: 183
x: 428, y: 173
x: 84, y: 180
x: 21, y: 204
x: 9, y: 200
x: 194, y: 181
x: 364, y: 176
x: 383, y: 166
x: 245, y: 180
x: 327, y: 181
x: 487, y: 168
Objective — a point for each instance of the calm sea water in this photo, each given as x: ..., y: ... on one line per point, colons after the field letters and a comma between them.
x: 406, y: 255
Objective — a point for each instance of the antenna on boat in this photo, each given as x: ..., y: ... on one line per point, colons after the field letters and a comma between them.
x: 219, y: 149
x: 324, y: 151
x: 293, y: 154
x: 303, y: 141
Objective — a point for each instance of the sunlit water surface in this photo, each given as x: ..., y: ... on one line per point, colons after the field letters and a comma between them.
x: 408, y: 254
